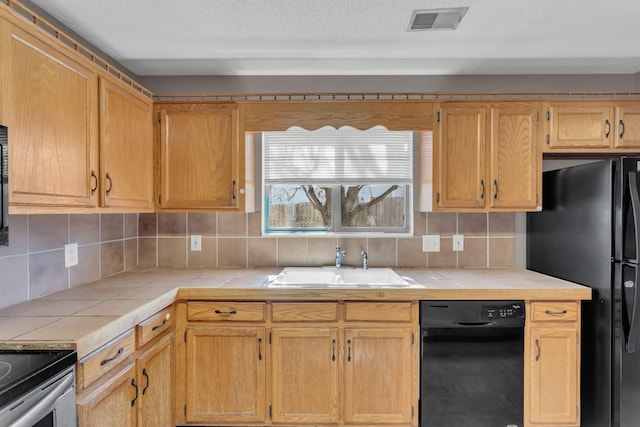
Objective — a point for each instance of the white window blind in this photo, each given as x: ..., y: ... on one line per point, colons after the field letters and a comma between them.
x: 342, y: 156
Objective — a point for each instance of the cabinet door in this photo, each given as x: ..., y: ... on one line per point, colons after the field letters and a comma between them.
x: 305, y: 375
x: 459, y: 156
x: 50, y: 108
x: 225, y: 375
x: 515, y: 161
x: 155, y: 368
x: 628, y: 126
x: 126, y: 147
x: 110, y: 403
x: 580, y: 125
x: 378, y: 376
x: 553, y: 377
x: 201, y: 158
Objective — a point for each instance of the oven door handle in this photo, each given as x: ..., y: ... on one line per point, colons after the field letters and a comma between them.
x: 44, y: 406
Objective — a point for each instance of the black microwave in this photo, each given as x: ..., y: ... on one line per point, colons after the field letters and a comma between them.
x: 4, y: 189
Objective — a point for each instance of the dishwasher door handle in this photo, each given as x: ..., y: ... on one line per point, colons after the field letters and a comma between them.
x: 474, y: 324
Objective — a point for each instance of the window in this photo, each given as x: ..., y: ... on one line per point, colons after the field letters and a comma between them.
x: 337, y: 181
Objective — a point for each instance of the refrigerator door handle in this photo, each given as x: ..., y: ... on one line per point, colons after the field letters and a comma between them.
x: 635, y: 318
x: 635, y: 205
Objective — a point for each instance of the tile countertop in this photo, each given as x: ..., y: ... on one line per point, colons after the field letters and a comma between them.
x: 88, y: 316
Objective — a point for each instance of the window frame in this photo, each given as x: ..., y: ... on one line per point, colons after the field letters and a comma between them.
x: 336, y: 228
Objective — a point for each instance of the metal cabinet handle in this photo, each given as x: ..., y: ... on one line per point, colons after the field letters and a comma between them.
x: 134, y: 384
x: 110, y: 359
x: 156, y: 327
x: 259, y: 348
x: 555, y: 313
x: 538, y: 349
x: 621, y: 128
x: 482, y: 184
x: 333, y: 350
x: 608, y: 131
x: 233, y: 190
x: 108, y: 178
x: 495, y: 184
x: 349, y: 350
x: 95, y: 180
x: 225, y: 313
x: 144, y: 372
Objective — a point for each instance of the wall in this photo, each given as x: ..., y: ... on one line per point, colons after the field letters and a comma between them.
x: 33, y: 264
x: 233, y: 240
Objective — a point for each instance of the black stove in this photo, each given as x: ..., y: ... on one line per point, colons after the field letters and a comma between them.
x: 23, y: 370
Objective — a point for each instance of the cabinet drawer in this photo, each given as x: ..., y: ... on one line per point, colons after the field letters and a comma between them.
x: 383, y: 311
x: 105, y: 358
x: 305, y: 312
x: 226, y: 311
x: 553, y: 311
x: 154, y: 326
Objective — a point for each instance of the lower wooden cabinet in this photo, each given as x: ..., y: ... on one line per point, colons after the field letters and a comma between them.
x: 378, y: 376
x: 225, y: 375
x: 307, y: 363
x: 121, y: 385
x: 109, y: 403
x: 552, y: 369
x: 305, y: 384
x: 138, y: 394
x: 155, y: 387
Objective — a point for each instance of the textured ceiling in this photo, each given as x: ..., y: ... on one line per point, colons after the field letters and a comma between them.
x: 357, y: 37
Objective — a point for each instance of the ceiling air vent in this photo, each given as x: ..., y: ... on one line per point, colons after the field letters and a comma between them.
x: 437, y: 19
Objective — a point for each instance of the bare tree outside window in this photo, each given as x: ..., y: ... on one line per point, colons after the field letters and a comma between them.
x: 299, y: 207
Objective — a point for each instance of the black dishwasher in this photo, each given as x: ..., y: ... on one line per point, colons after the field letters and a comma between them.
x: 472, y: 363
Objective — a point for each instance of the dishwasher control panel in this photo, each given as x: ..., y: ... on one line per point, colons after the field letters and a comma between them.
x: 506, y: 311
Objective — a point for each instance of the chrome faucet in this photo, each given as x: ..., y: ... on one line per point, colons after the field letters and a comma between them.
x: 365, y: 260
x: 339, y: 255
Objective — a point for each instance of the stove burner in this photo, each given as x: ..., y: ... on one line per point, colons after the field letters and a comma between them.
x: 5, y: 369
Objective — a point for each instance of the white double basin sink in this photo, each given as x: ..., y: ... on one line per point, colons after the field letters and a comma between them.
x: 330, y: 277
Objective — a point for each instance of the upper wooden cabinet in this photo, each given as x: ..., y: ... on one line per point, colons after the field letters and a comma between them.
x: 79, y: 137
x: 459, y: 156
x: 49, y: 103
x: 486, y: 157
x: 592, y: 126
x: 126, y: 147
x: 627, y: 119
x: 515, y: 159
x: 201, y: 157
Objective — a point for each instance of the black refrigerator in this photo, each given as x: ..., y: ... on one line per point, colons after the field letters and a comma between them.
x: 589, y: 232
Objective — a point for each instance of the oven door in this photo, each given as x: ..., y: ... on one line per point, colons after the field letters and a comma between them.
x: 52, y: 404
